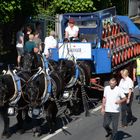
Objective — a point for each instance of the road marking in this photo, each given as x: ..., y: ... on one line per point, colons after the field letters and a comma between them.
x: 59, y: 130
x: 96, y: 109
x: 55, y: 133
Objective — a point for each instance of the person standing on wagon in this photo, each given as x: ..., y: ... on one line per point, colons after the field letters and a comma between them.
x: 113, y: 97
x: 71, y: 30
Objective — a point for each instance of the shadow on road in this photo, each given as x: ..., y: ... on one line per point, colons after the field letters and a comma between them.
x: 123, y: 135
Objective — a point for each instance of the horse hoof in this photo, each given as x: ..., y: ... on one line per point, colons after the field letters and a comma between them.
x: 51, y: 131
x: 21, y: 131
x: 37, y: 134
x: 6, y: 135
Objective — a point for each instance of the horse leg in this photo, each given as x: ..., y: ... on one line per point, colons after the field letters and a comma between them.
x: 6, y: 131
x: 34, y: 122
x: 51, y: 117
x: 27, y: 118
x: 50, y: 123
x: 36, y: 128
x: 20, y: 122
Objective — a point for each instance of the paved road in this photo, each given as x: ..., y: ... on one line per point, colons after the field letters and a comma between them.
x: 85, y: 128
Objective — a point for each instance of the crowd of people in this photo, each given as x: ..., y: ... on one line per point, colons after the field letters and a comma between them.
x: 30, y: 41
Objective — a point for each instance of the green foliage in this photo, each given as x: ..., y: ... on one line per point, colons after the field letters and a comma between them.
x: 11, y: 9
x: 7, y: 9
x: 68, y: 6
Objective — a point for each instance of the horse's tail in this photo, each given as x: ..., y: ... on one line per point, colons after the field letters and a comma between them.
x: 86, y: 68
x: 85, y: 102
x: 58, y: 82
x: 85, y: 72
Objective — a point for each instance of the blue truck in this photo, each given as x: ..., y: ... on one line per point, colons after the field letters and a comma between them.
x: 112, y: 43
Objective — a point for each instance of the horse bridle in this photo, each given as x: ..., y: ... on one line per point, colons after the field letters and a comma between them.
x: 27, y: 85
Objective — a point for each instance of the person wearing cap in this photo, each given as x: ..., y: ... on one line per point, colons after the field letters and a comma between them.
x: 71, y: 30
x: 50, y: 42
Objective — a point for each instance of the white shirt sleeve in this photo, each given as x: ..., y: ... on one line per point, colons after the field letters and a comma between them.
x: 131, y: 85
x: 104, y: 94
x: 46, y: 42
x: 67, y: 29
x: 120, y: 83
x: 55, y: 43
x: 122, y: 95
x: 50, y: 42
x: 76, y: 28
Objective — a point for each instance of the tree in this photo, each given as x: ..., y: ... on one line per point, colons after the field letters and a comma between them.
x: 68, y: 6
x: 11, y: 10
x: 13, y: 15
x: 7, y: 9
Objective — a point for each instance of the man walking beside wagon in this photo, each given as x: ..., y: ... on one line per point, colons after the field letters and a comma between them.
x: 113, y: 97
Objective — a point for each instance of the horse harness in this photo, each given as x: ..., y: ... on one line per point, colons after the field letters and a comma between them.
x: 12, y: 110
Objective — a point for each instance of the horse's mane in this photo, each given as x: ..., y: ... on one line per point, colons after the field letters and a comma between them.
x: 31, y: 61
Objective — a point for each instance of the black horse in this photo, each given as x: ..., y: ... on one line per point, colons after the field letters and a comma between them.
x: 75, y: 77
x: 42, y: 91
x: 66, y: 88
x: 74, y: 80
x: 11, y: 102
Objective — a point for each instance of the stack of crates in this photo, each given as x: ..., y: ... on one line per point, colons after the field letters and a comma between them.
x: 118, y: 41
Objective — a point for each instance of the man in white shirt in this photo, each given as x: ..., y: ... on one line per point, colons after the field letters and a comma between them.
x: 71, y: 30
x: 112, y: 98
x: 50, y: 42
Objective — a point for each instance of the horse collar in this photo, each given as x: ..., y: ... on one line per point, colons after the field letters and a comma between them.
x: 17, y: 85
